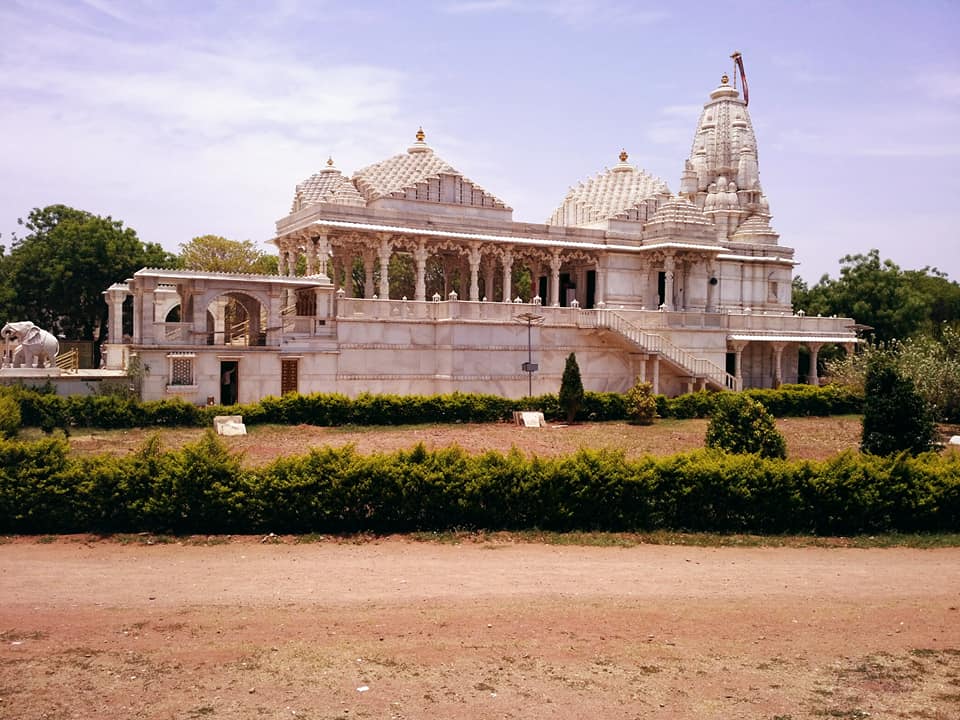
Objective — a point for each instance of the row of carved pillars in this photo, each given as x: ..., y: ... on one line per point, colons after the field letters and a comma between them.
x: 318, y: 250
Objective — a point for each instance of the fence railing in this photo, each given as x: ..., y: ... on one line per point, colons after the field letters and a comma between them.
x: 69, y: 361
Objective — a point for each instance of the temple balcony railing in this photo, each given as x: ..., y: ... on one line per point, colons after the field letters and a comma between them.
x: 443, y: 310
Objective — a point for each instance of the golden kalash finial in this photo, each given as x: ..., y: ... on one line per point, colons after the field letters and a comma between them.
x: 623, y: 156
x: 725, y: 79
x: 421, y: 136
x: 330, y: 161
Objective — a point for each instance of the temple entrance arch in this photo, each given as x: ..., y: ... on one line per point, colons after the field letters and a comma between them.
x: 238, y: 319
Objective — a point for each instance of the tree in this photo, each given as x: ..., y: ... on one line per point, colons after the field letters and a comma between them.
x: 59, y: 270
x: 571, y: 388
x: 641, y: 404
x: 742, y: 425
x: 214, y: 253
x: 875, y: 292
x: 895, y: 417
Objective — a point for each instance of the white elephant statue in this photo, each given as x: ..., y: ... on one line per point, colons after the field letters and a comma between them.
x: 34, y: 347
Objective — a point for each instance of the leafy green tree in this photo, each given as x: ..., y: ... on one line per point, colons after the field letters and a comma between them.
x: 58, y: 271
x: 214, y: 253
x: 875, y: 292
x: 571, y: 388
x: 742, y: 425
x: 895, y: 417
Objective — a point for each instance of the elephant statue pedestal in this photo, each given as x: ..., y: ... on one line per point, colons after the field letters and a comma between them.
x: 25, y: 372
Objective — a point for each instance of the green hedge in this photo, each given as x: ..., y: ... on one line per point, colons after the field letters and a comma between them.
x: 48, y: 411
x: 202, y: 488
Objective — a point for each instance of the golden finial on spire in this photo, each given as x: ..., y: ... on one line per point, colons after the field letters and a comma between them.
x: 330, y: 161
x: 421, y: 136
x: 725, y: 79
x: 623, y: 156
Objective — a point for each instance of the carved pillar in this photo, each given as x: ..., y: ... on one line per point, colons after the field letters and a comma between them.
x: 507, y: 275
x: 474, y: 259
x: 311, y: 256
x: 281, y: 258
x: 555, y: 264
x: 323, y: 253
x: 600, y: 292
x: 489, y: 269
x: 292, y: 256
x: 384, y: 252
x: 368, y: 257
x: 812, y: 377
x: 669, y: 265
x: 656, y: 375
x: 778, y: 363
x: 465, y: 275
x: 420, y: 256
x: 347, y: 262
x: 711, y: 287
x: 738, y: 348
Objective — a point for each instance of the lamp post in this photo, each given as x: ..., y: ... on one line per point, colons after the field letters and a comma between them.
x: 529, y: 366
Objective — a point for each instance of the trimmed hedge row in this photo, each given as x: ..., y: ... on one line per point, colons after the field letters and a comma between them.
x: 47, y: 410
x: 203, y: 488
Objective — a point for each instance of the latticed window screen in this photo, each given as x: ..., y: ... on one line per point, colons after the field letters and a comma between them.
x: 181, y: 371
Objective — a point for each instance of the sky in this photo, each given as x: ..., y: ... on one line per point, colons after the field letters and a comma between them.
x: 183, y: 117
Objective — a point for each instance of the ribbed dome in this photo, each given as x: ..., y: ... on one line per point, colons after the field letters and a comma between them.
x: 624, y: 192
x: 326, y: 186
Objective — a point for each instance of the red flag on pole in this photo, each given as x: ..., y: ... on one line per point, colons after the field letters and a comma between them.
x: 738, y: 61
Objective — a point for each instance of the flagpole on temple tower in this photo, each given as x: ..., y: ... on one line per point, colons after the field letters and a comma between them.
x: 734, y: 57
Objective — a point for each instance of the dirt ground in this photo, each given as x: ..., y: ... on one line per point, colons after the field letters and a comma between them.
x: 391, y: 628
x: 814, y: 438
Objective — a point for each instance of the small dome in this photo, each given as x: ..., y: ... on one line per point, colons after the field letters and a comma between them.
x: 326, y: 186
x: 678, y: 211
x: 624, y: 192
x: 755, y: 229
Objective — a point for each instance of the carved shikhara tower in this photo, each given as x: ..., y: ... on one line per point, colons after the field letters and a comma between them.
x: 409, y: 277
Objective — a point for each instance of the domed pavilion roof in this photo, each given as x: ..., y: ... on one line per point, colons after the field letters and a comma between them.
x: 415, y: 175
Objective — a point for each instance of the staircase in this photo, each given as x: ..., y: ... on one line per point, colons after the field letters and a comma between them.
x: 714, y: 375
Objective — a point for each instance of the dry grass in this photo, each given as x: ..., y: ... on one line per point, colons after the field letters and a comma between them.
x: 813, y: 438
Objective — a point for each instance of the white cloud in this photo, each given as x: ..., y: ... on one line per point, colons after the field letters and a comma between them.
x: 571, y: 12
x: 140, y: 124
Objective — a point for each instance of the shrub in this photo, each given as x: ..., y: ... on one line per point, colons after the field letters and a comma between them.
x: 742, y: 425
x: 571, y: 388
x: 641, y: 405
x: 9, y: 416
x: 895, y: 417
